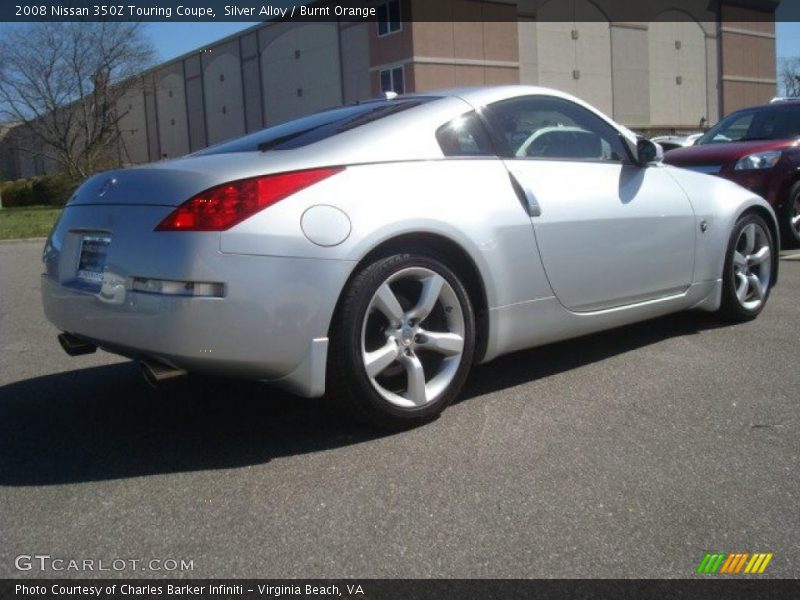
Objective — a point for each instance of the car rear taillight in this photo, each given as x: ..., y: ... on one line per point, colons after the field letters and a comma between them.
x: 223, y: 206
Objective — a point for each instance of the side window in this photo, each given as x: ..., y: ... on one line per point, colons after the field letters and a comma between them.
x: 464, y: 136
x: 735, y: 130
x: 553, y: 128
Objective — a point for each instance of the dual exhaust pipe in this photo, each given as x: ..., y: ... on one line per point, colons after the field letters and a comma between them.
x: 74, y: 345
x: 156, y: 374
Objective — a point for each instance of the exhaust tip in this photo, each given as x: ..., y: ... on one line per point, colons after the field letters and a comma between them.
x: 74, y: 345
x: 157, y: 374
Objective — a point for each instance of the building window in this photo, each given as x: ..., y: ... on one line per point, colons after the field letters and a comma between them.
x: 393, y: 80
x: 389, y: 17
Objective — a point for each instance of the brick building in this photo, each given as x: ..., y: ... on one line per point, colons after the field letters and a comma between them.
x: 685, y: 64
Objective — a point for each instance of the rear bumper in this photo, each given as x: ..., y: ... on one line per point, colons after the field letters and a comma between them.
x: 271, y: 328
x: 271, y: 323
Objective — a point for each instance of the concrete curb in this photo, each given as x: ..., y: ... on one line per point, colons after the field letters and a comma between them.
x: 41, y: 240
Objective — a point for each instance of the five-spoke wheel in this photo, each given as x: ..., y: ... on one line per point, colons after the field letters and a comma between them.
x: 404, y: 342
x: 748, y: 270
x: 414, y: 323
x: 752, y: 265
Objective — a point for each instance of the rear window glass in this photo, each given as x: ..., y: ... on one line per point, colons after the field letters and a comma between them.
x: 315, y: 127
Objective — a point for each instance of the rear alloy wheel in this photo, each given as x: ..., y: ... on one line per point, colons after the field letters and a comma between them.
x: 403, y: 341
x: 748, y: 269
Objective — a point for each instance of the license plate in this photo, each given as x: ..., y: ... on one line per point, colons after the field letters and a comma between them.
x: 92, y: 262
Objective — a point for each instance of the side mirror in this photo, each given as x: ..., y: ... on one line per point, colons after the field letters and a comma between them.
x: 649, y: 152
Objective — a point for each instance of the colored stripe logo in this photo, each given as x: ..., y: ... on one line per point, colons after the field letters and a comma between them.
x: 734, y: 563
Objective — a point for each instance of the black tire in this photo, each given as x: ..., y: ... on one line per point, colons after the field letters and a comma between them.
x: 732, y: 308
x: 348, y: 383
x: 790, y: 237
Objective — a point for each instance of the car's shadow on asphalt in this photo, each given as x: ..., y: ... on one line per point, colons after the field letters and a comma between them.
x: 105, y: 423
x: 527, y: 365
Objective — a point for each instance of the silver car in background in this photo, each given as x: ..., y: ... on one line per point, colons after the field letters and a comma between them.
x: 671, y: 142
x: 377, y: 251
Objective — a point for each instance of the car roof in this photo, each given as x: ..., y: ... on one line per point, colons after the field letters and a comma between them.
x: 479, y: 96
x: 783, y: 100
x: 485, y: 94
x: 774, y: 105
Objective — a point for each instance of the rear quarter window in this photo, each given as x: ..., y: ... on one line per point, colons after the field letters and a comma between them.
x: 316, y: 127
x: 464, y: 136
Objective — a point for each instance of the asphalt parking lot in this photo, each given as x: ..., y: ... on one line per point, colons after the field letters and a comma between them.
x: 624, y: 454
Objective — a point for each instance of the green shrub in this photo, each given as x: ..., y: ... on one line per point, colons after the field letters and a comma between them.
x: 18, y: 193
x: 51, y: 190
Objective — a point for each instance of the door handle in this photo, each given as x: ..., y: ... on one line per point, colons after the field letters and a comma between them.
x: 526, y: 197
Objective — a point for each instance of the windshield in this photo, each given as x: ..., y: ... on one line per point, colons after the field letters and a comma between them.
x: 764, y: 123
x: 315, y: 127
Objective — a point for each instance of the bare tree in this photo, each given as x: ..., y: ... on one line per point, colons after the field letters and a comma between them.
x: 64, y: 82
x: 789, y: 76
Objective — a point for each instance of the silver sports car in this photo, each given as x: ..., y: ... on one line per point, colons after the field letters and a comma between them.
x: 377, y: 251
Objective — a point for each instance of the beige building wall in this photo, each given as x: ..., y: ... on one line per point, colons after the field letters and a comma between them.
x: 251, y: 81
x: 574, y: 55
x: 528, y: 51
x: 713, y: 89
x: 678, y: 71
x: 195, y: 102
x: 631, y: 70
x: 355, y: 61
x: 173, y: 130
x: 668, y: 72
x: 222, y: 85
x: 660, y: 74
x: 133, y: 126
x: 300, y: 70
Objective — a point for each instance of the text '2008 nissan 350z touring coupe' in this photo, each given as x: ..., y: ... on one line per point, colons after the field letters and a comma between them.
x: 376, y: 251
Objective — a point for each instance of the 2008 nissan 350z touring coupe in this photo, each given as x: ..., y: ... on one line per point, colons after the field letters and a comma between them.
x: 376, y: 251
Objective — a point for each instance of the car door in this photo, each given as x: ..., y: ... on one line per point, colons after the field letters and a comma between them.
x: 609, y: 232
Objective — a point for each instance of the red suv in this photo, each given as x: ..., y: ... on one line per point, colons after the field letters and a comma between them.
x: 758, y: 148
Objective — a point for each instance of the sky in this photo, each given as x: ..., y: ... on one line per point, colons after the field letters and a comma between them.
x: 174, y: 39
x: 788, y: 38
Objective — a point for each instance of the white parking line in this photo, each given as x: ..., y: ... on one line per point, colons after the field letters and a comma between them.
x: 790, y: 256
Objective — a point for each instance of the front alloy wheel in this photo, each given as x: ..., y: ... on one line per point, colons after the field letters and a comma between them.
x: 748, y: 269
x: 752, y: 266
x: 403, y: 341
